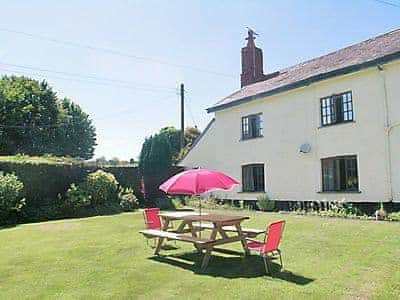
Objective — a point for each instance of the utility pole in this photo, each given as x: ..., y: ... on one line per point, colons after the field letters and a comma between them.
x: 182, y: 92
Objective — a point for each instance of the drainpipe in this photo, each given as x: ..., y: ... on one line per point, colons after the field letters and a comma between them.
x: 388, y: 129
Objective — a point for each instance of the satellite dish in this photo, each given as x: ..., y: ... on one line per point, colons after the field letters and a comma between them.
x: 305, y: 148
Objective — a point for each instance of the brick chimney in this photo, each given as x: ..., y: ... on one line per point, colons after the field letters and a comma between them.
x: 252, y: 62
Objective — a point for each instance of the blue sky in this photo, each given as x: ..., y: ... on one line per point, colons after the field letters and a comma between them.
x: 157, y: 36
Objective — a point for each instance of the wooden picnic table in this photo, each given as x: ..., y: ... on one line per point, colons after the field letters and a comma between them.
x: 221, y: 225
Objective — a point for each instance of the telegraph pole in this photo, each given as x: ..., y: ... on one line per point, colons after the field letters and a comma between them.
x: 182, y: 92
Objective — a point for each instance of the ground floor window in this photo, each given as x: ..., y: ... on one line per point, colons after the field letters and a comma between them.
x: 339, y: 174
x: 253, y: 178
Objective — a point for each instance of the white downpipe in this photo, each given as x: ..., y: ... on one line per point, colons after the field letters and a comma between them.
x: 388, y: 129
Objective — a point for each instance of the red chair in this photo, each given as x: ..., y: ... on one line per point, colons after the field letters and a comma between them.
x: 152, y: 218
x: 152, y: 221
x: 270, y: 246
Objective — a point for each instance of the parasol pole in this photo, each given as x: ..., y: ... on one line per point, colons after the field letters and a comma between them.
x: 200, y: 216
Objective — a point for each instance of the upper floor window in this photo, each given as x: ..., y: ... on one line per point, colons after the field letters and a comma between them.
x: 337, y: 109
x: 339, y: 174
x: 252, y: 126
x: 253, y: 178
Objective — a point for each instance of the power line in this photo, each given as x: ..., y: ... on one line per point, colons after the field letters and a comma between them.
x: 190, y: 111
x: 127, y: 110
x: 103, y: 83
x: 56, y: 125
x: 90, y: 78
x: 388, y: 3
x: 85, y: 76
x: 114, y: 52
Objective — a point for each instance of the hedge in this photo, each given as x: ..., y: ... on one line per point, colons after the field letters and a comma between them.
x: 47, y: 180
x: 44, y: 182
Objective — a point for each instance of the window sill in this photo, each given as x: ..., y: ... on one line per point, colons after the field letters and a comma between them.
x: 251, y: 138
x: 339, y: 192
x: 336, y: 124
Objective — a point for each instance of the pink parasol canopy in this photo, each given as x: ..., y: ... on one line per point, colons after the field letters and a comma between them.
x: 197, y: 182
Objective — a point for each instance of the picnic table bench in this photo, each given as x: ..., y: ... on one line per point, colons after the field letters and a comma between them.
x: 218, y: 224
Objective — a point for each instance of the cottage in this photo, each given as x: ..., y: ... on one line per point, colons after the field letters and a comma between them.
x: 325, y: 129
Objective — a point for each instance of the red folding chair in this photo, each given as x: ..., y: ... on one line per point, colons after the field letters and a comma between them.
x: 152, y: 218
x: 152, y: 221
x: 270, y: 246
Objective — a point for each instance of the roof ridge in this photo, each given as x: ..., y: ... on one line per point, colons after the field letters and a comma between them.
x: 383, y: 47
x: 338, y: 50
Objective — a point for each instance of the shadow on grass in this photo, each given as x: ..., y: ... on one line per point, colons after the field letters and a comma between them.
x: 230, y: 267
x: 8, y: 226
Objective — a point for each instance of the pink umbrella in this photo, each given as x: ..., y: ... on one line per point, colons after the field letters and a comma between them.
x: 198, y: 182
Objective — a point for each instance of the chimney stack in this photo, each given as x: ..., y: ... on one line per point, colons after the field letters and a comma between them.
x: 252, y: 62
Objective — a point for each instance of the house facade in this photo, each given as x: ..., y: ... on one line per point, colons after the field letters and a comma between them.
x: 327, y: 129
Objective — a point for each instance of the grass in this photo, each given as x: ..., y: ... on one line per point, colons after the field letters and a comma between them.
x: 105, y: 257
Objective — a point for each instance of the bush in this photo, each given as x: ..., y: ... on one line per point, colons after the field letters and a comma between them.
x: 164, y: 204
x: 264, y: 203
x: 10, y: 196
x: 102, y: 188
x: 177, y: 202
x: 127, y: 199
x: 76, y: 197
x: 394, y: 216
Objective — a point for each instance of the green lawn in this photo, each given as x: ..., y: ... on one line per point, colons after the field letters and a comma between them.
x: 105, y: 257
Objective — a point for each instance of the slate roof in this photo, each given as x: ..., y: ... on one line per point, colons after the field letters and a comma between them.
x: 377, y: 50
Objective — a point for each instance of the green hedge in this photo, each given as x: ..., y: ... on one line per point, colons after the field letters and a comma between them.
x: 46, y: 180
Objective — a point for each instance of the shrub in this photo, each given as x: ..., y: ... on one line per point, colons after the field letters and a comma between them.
x: 264, y: 203
x: 164, y: 204
x: 102, y: 187
x: 76, y: 197
x: 177, y: 202
x: 10, y: 195
x: 344, y: 209
x: 127, y: 199
x: 394, y: 216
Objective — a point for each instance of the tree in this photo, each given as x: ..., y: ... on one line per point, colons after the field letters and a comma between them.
x: 76, y: 136
x: 156, y: 155
x: 114, y: 161
x: 101, y: 161
x: 191, y: 134
x: 173, y: 136
x: 159, y: 153
x: 28, y: 114
x: 155, y: 163
x: 35, y: 122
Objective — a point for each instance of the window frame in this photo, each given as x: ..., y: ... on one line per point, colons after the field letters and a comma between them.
x: 250, y: 129
x: 335, y: 112
x: 343, y: 168
x: 255, y: 168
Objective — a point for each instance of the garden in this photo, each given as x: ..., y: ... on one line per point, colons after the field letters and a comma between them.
x: 105, y: 257
x: 69, y: 227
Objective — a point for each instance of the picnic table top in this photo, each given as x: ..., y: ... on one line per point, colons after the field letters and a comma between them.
x: 178, y: 214
x: 214, y: 218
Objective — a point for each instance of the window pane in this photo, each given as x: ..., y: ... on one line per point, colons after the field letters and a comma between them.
x: 328, y: 175
x: 253, y: 178
x: 337, y: 109
x: 351, y: 173
x: 252, y: 126
x: 340, y: 174
x: 245, y: 127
